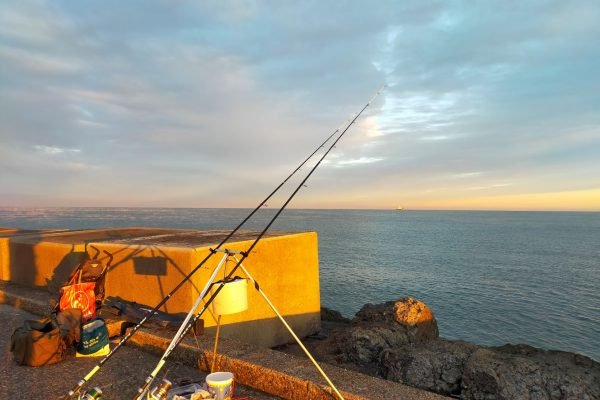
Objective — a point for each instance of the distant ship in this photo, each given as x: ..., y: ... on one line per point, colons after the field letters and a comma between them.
x: 399, y: 208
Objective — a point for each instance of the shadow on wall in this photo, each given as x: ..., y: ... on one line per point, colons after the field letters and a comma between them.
x: 63, y: 270
x: 140, y: 263
x: 29, y: 264
x: 150, y: 266
x: 12, y: 251
x: 32, y: 258
x: 154, y: 266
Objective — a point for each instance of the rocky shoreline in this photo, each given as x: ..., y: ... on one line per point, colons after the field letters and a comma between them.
x: 399, y: 341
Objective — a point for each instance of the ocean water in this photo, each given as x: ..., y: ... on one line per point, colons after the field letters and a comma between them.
x: 490, y: 277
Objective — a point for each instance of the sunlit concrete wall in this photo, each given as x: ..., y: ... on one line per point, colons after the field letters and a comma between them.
x: 147, y: 264
x: 286, y: 268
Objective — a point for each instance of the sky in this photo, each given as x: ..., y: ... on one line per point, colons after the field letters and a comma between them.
x: 488, y: 105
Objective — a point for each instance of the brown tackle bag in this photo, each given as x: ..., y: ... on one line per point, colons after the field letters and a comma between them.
x: 45, y: 341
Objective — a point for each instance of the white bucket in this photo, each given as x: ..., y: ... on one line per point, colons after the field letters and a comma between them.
x: 232, y: 298
x: 220, y: 385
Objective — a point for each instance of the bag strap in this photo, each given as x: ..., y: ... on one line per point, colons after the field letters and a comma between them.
x: 40, y: 324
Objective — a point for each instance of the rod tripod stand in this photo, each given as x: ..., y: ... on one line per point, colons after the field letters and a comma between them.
x: 185, y: 326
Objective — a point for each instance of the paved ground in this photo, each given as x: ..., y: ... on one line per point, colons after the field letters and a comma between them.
x: 286, y: 375
x: 119, y: 378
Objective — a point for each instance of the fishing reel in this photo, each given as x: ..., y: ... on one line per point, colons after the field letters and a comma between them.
x: 160, y: 391
x: 94, y: 393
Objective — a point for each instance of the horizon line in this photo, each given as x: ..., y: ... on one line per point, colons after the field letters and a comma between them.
x: 391, y: 209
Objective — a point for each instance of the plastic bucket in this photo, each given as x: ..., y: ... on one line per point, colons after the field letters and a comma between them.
x: 232, y: 298
x: 220, y: 385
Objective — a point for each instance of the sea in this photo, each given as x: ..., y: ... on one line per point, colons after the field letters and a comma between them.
x: 490, y: 277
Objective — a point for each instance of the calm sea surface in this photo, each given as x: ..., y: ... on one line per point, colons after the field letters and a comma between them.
x: 490, y: 277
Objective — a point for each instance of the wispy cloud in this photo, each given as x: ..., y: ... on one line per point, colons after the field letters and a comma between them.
x: 490, y: 186
x: 352, y: 162
x: 52, y: 150
x: 435, y: 138
x: 467, y: 175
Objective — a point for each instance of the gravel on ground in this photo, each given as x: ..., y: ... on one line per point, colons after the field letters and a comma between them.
x: 119, y: 378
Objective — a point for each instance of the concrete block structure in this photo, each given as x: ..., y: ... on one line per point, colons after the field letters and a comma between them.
x: 148, y: 263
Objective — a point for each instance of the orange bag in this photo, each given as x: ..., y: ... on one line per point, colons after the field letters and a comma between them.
x: 81, y: 296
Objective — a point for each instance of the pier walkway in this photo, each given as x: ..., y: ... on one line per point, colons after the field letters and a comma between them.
x: 271, y: 374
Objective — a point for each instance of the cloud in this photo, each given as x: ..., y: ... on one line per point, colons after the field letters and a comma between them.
x: 352, y: 162
x: 36, y: 62
x: 189, y: 99
x: 51, y: 150
x: 467, y: 175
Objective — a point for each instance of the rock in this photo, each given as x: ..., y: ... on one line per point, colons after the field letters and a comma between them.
x: 379, y: 327
x: 500, y: 373
x: 407, y: 315
x: 412, y: 312
x: 380, y: 314
x: 363, y: 345
x: 417, y: 318
x: 399, y: 341
x: 332, y: 315
x: 524, y: 372
x: 436, y: 366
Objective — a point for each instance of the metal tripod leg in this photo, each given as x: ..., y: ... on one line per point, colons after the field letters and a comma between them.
x: 256, y: 285
x: 182, y: 330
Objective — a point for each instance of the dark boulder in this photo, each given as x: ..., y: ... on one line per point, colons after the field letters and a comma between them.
x: 436, y: 366
x: 363, y: 345
x: 330, y: 315
x: 407, y: 315
x: 399, y: 341
x: 499, y: 373
x: 379, y: 327
x: 525, y: 372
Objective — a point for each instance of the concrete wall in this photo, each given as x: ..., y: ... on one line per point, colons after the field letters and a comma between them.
x: 148, y: 264
x: 46, y: 258
x: 31, y: 258
x: 286, y: 267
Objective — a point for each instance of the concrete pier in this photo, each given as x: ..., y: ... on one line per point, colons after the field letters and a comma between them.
x: 147, y: 263
x: 280, y: 374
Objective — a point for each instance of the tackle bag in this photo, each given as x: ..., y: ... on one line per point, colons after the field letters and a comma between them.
x: 80, y: 296
x: 94, y: 339
x: 45, y: 341
x: 89, y: 271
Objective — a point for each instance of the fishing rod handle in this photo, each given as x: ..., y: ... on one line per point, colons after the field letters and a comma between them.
x: 89, y: 376
x: 142, y: 389
x: 183, y: 329
x: 79, y: 385
x: 176, y: 341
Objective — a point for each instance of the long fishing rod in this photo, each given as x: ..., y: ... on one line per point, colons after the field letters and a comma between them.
x: 244, y: 254
x: 86, y: 378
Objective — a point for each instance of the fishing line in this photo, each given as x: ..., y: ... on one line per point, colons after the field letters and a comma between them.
x: 133, y: 330
x: 245, y: 254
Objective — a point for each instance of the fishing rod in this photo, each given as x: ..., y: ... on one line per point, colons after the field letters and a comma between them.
x: 151, y: 313
x: 244, y: 254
